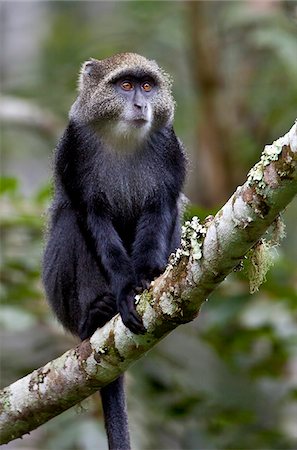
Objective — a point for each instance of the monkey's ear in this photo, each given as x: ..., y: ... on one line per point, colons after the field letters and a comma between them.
x: 90, y: 70
x: 89, y: 67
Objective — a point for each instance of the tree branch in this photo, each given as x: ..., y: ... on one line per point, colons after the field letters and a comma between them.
x: 207, y: 255
x: 17, y: 111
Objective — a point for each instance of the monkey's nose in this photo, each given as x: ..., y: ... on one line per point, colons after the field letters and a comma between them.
x: 140, y: 106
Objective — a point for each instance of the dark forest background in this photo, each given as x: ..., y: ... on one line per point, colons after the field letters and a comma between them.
x: 228, y: 380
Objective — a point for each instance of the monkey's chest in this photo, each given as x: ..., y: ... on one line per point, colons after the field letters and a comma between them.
x: 127, y: 188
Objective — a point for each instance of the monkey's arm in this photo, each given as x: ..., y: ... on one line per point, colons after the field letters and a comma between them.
x: 153, y: 236
x: 118, y: 266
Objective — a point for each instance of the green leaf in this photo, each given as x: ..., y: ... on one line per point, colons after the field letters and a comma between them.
x: 8, y: 185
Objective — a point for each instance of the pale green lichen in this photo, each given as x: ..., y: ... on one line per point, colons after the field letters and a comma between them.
x: 261, y: 256
x: 168, y: 305
x: 270, y: 153
x: 149, y: 318
x: 261, y: 260
x: 143, y: 300
x: 102, y: 350
x: 243, y: 222
x: 5, y: 403
x: 192, y: 236
x: 137, y: 299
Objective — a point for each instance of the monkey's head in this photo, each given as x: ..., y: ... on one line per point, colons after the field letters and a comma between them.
x: 124, y: 96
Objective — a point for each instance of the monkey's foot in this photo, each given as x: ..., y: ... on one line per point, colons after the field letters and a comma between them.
x: 129, y: 314
x: 102, y: 309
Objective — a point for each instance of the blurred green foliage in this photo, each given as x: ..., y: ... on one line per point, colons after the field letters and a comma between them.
x: 227, y: 380
x: 21, y: 234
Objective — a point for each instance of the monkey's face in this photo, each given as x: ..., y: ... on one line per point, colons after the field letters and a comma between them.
x: 134, y: 115
x: 124, y: 97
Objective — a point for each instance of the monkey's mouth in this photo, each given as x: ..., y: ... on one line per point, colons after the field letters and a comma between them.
x: 139, y: 122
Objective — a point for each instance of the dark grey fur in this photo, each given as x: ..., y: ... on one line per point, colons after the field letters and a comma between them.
x: 119, y: 170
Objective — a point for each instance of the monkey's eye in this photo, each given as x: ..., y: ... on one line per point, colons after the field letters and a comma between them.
x: 147, y: 87
x: 126, y: 85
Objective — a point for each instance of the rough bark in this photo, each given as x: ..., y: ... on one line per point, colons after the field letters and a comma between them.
x: 208, y: 253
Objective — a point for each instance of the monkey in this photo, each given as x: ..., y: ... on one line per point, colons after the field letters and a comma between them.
x: 119, y: 169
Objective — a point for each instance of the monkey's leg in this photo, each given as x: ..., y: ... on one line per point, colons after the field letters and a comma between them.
x: 98, y: 304
x: 117, y: 265
x: 75, y: 286
x: 100, y: 311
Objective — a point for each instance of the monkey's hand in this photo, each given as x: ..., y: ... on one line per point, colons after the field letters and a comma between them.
x: 127, y: 310
x: 142, y: 285
x: 146, y: 276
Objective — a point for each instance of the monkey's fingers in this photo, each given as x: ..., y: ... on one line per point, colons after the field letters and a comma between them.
x: 104, y: 306
x: 135, y: 324
x: 130, y: 317
x: 143, y: 284
x: 108, y: 302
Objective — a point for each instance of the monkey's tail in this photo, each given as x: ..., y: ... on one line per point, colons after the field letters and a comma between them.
x: 115, y: 415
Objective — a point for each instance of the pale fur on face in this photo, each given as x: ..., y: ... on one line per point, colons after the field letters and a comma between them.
x: 101, y: 106
x: 122, y: 136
